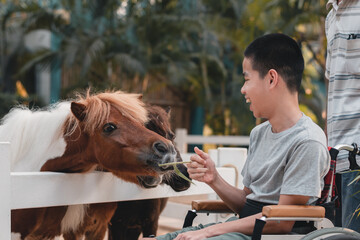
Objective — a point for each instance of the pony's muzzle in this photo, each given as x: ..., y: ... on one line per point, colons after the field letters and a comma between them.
x: 166, y: 153
x: 149, y: 181
x: 160, y: 148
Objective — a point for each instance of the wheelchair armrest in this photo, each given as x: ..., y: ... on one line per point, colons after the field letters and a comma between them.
x: 287, y: 213
x: 272, y: 211
x: 208, y: 206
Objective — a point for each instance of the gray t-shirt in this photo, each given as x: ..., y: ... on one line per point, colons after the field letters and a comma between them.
x: 292, y: 162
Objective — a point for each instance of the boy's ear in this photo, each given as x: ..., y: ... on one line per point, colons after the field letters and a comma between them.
x: 273, y: 78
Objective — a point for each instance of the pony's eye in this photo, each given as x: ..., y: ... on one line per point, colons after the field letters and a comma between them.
x: 109, y: 128
x: 171, y: 136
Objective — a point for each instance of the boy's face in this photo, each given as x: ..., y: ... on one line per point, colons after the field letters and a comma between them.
x: 254, y: 90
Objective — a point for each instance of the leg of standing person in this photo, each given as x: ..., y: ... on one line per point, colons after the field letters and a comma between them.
x: 338, y: 213
x: 350, y: 200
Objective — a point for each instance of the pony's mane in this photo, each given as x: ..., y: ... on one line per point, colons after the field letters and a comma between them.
x: 98, y: 108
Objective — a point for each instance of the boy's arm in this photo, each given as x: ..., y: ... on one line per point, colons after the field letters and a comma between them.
x: 234, y: 197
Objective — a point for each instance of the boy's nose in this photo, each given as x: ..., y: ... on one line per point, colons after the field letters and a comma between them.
x: 242, y: 90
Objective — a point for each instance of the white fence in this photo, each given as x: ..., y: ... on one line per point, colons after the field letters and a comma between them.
x: 42, y: 189
x: 183, y: 139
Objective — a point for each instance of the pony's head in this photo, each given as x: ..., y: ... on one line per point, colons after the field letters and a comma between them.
x: 107, y: 130
x: 159, y: 122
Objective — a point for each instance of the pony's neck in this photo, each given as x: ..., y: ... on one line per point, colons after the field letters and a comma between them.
x: 68, y: 164
x: 76, y: 158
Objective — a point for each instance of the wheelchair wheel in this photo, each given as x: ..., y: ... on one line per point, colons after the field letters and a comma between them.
x: 335, y: 233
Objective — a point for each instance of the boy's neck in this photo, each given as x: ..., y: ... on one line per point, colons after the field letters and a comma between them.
x: 285, y: 115
x: 284, y: 122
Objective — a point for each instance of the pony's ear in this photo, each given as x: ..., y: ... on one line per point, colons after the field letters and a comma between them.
x: 168, y: 110
x: 78, y: 110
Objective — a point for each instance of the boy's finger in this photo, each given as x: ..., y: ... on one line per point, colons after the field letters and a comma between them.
x: 197, y: 170
x: 200, y: 153
x: 196, y: 176
x: 196, y: 159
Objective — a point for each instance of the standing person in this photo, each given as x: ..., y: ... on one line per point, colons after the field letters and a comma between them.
x: 288, y: 155
x: 342, y: 28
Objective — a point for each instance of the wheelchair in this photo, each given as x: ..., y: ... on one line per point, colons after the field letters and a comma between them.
x: 322, y: 214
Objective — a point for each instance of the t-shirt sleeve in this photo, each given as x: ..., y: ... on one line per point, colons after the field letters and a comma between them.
x: 244, y: 173
x: 305, y: 170
x: 245, y: 170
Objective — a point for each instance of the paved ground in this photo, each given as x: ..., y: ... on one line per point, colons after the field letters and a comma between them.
x: 170, y: 224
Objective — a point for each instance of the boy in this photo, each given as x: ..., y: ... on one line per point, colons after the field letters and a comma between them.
x: 288, y: 157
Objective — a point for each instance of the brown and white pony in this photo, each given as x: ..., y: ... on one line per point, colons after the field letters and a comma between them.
x: 132, y: 218
x: 105, y: 130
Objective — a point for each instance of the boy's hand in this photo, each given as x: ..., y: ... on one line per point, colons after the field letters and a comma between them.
x: 202, y: 168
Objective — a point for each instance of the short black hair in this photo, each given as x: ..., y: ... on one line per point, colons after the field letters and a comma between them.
x: 280, y: 52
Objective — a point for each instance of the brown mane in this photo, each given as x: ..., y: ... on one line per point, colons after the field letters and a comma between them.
x: 98, y: 109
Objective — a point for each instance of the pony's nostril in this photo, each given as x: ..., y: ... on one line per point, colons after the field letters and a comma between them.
x: 161, y: 148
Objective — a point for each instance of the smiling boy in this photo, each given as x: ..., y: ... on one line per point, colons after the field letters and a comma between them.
x: 287, y: 158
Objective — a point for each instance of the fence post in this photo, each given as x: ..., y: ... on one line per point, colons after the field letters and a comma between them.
x: 5, y: 188
x: 180, y: 140
x: 233, y: 157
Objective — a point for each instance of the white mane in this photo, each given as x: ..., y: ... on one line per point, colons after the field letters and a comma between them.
x: 34, y: 136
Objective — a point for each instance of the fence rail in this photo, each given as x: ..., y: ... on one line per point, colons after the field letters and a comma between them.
x: 183, y: 139
x: 43, y: 189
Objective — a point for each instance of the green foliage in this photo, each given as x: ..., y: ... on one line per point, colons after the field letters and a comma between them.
x: 193, y: 47
x: 8, y: 101
x: 177, y: 171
